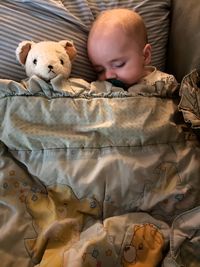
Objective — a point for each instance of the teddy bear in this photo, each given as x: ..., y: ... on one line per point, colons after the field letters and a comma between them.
x: 145, y: 249
x: 46, y: 59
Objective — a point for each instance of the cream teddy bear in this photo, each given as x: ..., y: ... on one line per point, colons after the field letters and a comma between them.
x: 46, y: 59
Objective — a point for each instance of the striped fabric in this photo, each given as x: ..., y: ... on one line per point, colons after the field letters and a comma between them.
x: 39, y: 20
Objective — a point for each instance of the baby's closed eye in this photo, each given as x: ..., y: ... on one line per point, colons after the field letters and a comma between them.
x: 119, y: 64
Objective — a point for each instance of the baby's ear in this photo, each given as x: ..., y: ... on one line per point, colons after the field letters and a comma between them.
x: 147, y: 54
x: 22, y: 51
x: 70, y: 48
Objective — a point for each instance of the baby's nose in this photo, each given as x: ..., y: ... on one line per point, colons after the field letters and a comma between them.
x: 110, y: 74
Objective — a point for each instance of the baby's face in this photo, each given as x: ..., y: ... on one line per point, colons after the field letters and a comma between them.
x: 117, y: 56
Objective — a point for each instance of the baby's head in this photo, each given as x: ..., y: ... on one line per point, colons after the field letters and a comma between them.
x: 117, y: 46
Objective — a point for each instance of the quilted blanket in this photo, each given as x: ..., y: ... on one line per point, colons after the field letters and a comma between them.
x: 92, y: 175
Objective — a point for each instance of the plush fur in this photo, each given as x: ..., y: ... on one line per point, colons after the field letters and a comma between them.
x: 46, y: 59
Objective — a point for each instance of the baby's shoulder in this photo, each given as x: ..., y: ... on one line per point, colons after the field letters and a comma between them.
x: 155, y: 75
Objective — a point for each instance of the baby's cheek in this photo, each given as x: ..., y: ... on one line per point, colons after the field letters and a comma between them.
x: 133, y: 76
x: 126, y: 76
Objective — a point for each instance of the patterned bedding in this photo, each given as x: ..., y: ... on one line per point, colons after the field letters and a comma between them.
x: 91, y: 175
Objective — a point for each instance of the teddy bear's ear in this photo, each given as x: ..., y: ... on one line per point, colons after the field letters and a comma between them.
x: 23, y: 50
x: 70, y: 48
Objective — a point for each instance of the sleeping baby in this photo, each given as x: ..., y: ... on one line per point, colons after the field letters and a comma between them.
x: 119, y: 51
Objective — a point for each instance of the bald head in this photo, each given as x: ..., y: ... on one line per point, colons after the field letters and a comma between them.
x: 129, y: 22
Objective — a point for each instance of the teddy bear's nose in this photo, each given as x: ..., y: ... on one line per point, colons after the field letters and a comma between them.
x: 50, y: 67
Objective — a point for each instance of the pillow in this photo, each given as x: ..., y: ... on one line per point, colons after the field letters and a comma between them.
x: 39, y: 20
x: 184, y: 48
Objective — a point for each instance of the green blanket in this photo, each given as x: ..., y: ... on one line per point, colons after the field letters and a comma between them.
x: 92, y: 175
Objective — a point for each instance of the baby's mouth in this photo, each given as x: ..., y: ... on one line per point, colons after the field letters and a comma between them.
x: 118, y: 83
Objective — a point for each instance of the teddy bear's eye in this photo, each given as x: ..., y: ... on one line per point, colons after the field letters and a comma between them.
x: 35, y: 61
x: 61, y: 61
